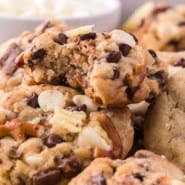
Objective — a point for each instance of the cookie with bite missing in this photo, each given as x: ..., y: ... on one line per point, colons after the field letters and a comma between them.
x: 48, y: 134
x: 164, y: 123
x: 143, y: 168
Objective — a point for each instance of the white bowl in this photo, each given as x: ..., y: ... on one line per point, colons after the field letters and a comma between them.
x: 12, y: 26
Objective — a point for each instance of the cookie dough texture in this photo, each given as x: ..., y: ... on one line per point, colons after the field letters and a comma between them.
x: 48, y: 134
x: 163, y: 28
x: 164, y: 124
x: 143, y: 168
x: 109, y: 67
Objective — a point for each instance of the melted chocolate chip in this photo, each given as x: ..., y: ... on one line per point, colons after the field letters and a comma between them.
x: 14, y: 154
x: 116, y: 74
x: 82, y: 107
x: 33, y: 100
x: 138, y: 176
x: 61, y: 39
x: 88, y: 36
x: 114, y: 57
x: 49, y: 177
x: 181, y: 23
x: 70, y: 166
x: 152, y: 53
x: 97, y: 180
x: 160, y: 76
x: 8, y: 59
x: 39, y: 54
x: 125, y: 49
x: 180, y: 63
x: 52, y: 140
x: 158, y: 10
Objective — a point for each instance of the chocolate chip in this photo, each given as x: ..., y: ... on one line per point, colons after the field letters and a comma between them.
x: 21, y: 180
x: 70, y: 166
x: 181, y: 23
x: 134, y: 37
x: 116, y: 74
x: 114, y: 57
x: 49, y: 177
x: 39, y: 54
x: 98, y: 179
x: 158, y: 10
x: 138, y: 176
x: 82, y: 107
x: 32, y: 100
x: 14, y: 154
x: 152, y: 53
x: 180, y: 63
x: 160, y: 76
x: 52, y: 140
x: 88, y: 36
x: 61, y: 39
x: 125, y: 49
x: 8, y: 59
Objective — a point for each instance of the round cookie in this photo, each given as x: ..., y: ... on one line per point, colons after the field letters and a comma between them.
x: 143, y: 168
x: 164, y: 123
x: 94, y: 62
x: 53, y: 132
x: 163, y: 28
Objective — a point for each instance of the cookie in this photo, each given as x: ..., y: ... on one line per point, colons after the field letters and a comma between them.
x: 48, y: 134
x: 109, y: 67
x: 143, y: 168
x: 163, y: 28
x: 164, y: 123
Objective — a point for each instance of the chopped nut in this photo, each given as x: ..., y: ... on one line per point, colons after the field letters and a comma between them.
x: 90, y: 137
x: 19, y: 130
x: 121, y: 37
x: 85, y: 100
x: 108, y: 126
x: 79, y: 31
x: 50, y: 99
x: 70, y: 121
x: 33, y: 160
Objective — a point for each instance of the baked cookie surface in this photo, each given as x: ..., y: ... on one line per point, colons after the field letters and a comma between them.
x: 143, y: 168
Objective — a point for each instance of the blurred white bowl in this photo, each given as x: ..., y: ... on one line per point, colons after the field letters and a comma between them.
x: 12, y: 26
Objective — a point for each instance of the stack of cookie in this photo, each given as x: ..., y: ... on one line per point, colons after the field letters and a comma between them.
x: 65, y: 98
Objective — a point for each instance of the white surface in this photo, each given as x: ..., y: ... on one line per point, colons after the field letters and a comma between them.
x: 12, y: 26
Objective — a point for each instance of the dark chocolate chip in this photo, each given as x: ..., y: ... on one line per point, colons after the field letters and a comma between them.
x: 52, y: 140
x: 116, y: 74
x: 138, y: 176
x: 114, y: 57
x: 61, y: 39
x: 49, y: 177
x: 125, y: 49
x: 39, y: 54
x: 180, y: 63
x: 158, y: 10
x: 134, y: 37
x: 98, y: 179
x: 82, y: 107
x: 32, y: 100
x: 181, y: 23
x: 70, y: 166
x: 88, y: 36
x: 8, y: 59
x: 14, y: 154
x: 153, y: 53
x: 160, y: 76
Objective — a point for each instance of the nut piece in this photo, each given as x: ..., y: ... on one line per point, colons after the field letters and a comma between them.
x: 33, y: 159
x: 80, y: 100
x: 50, y: 99
x: 20, y: 130
x: 79, y: 31
x: 108, y: 126
x: 90, y: 137
x: 121, y: 37
x: 72, y: 122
